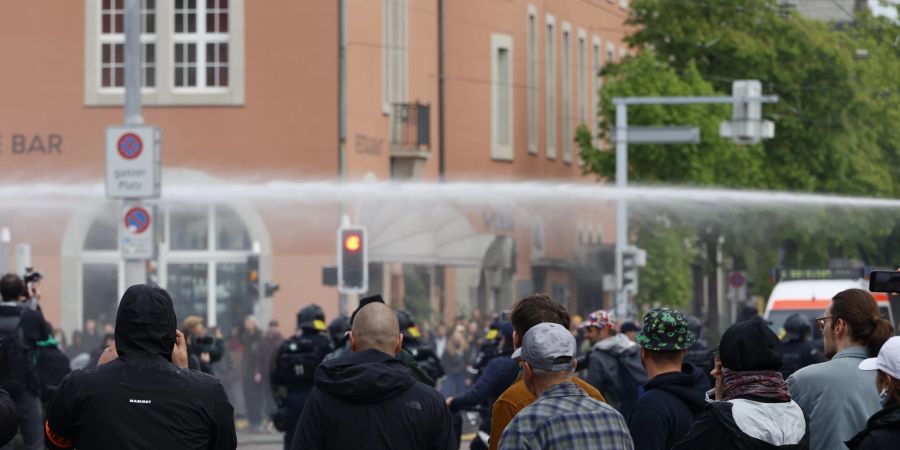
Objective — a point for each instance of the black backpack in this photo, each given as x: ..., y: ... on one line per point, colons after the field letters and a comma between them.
x: 16, y: 375
x: 632, y: 377
x: 297, y: 360
x: 52, y: 366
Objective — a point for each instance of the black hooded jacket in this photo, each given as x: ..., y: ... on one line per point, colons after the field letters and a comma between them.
x: 369, y: 400
x: 141, y: 400
x: 882, y: 430
x: 670, y: 405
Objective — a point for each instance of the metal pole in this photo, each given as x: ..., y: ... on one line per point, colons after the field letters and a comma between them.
x: 622, y: 206
x: 5, y: 239
x: 133, y: 63
x: 135, y: 271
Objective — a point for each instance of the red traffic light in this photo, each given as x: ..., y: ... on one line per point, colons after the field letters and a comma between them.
x: 352, y: 242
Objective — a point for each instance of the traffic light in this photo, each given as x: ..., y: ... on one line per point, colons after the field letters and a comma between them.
x: 353, y: 264
x: 632, y: 259
x: 629, y: 270
x: 253, y: 277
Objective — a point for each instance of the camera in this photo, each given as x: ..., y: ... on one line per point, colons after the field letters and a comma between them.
x: 202, y: 344
x: 32, y: 276
x: 884, y: 281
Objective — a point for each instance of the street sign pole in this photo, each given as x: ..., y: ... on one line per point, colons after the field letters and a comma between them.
x: 135, y: 269
x: 622, y: 205
x: 752, y: 103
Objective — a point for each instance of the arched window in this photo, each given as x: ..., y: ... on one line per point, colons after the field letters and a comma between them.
x: 201, y: 260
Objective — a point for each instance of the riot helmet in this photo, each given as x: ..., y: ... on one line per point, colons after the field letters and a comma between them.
x: 338, y: 327
x: 408, y: 328
x: 797, y: 326
x: 695, y: 326
x: 311, y: 317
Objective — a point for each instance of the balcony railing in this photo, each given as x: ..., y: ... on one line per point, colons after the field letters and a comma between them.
x: 410, y: 128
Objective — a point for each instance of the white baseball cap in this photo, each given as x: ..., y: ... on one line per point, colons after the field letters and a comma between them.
x: 888, y: 360
x: 543, y: 344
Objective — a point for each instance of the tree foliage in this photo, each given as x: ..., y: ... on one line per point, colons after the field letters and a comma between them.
x: 836, y: 132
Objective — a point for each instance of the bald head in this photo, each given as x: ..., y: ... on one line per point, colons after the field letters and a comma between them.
x: 376, y: 327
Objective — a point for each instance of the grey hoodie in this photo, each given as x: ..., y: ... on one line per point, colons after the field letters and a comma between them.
x: 615, y: 369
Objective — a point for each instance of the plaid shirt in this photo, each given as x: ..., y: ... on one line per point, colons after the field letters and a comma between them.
x: 565, y: 417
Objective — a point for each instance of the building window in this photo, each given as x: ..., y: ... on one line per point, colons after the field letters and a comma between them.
x: 532, y: 81
x: 623, y: 52
x: 502, y: 97
x: 550, y: 88
x: 192, y: 52
x: 582, y: 89
x: 567, y: 92
x: 394, y: 23
x: 201, y: 44
x: 112, y: 44
x: 610, y: 53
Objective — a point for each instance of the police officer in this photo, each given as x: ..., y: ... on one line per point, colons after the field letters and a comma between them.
x: 497, y: 374
x: 698, y: 354
x: 489, y: 348
x: 295, y: 367
x: 338, y: 328
x: 799, y: 352
x: 420, y: 358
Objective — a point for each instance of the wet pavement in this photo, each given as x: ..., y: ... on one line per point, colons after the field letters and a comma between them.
x: 273, y: 441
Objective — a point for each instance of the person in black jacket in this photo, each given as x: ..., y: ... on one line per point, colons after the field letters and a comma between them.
x: 799, y: 352
x: 498, y: 374
x: 368, y: 399
x: 21, y: 328
x: 752, y: 408
x: 142, y: 395
x: 883, y: 428
x: 675, y: 394
x: 698, y: 354
x: 8, y: 418
x: 294, y: 367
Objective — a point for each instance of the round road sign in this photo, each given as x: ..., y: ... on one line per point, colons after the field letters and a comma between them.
x: 137, y: 220
x: 737, y: 279
x: 130, y: 146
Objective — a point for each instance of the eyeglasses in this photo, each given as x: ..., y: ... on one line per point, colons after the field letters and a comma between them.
x: 820, y: 322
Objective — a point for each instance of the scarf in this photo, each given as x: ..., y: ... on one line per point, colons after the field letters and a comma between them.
x: 764, y: 384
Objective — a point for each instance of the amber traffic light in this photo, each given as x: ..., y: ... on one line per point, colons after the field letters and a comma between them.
x: 353, y: 273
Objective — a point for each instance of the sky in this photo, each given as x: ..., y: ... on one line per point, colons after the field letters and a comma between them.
x: 888, y: 11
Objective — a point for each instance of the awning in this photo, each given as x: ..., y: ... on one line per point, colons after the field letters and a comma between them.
x: 433, y: 234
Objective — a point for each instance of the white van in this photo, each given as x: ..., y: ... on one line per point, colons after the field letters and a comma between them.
x: 811, y: 297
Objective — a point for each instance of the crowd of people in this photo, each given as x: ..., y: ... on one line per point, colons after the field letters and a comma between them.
x: 535, y: 377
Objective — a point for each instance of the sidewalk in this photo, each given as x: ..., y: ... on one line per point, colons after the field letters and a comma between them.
x: 260, y: 441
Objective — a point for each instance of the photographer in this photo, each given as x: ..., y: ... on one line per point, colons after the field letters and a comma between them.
x: 204, y: 350
x: 22, y: 326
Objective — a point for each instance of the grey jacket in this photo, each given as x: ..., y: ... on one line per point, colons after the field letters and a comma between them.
x: 604, y: 370
x: 837, y: 397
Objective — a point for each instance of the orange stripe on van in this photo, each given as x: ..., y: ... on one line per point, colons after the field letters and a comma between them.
x: 800, y: 304
x: 779, y: 304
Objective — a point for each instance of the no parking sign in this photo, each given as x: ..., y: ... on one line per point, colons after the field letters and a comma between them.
x: 136, y: 231
x: 132, y: 162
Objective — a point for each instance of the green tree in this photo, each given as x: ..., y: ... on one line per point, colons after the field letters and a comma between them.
x: 835, y: 131
x: 666, y: 279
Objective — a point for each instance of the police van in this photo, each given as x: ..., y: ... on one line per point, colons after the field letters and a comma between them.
x: 809, y: 292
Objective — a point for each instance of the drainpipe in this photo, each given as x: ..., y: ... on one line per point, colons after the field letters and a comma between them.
x: 342, y: 90
x: 442, y: 165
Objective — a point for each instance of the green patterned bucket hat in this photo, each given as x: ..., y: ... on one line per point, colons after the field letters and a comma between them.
x: 665, y: 329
